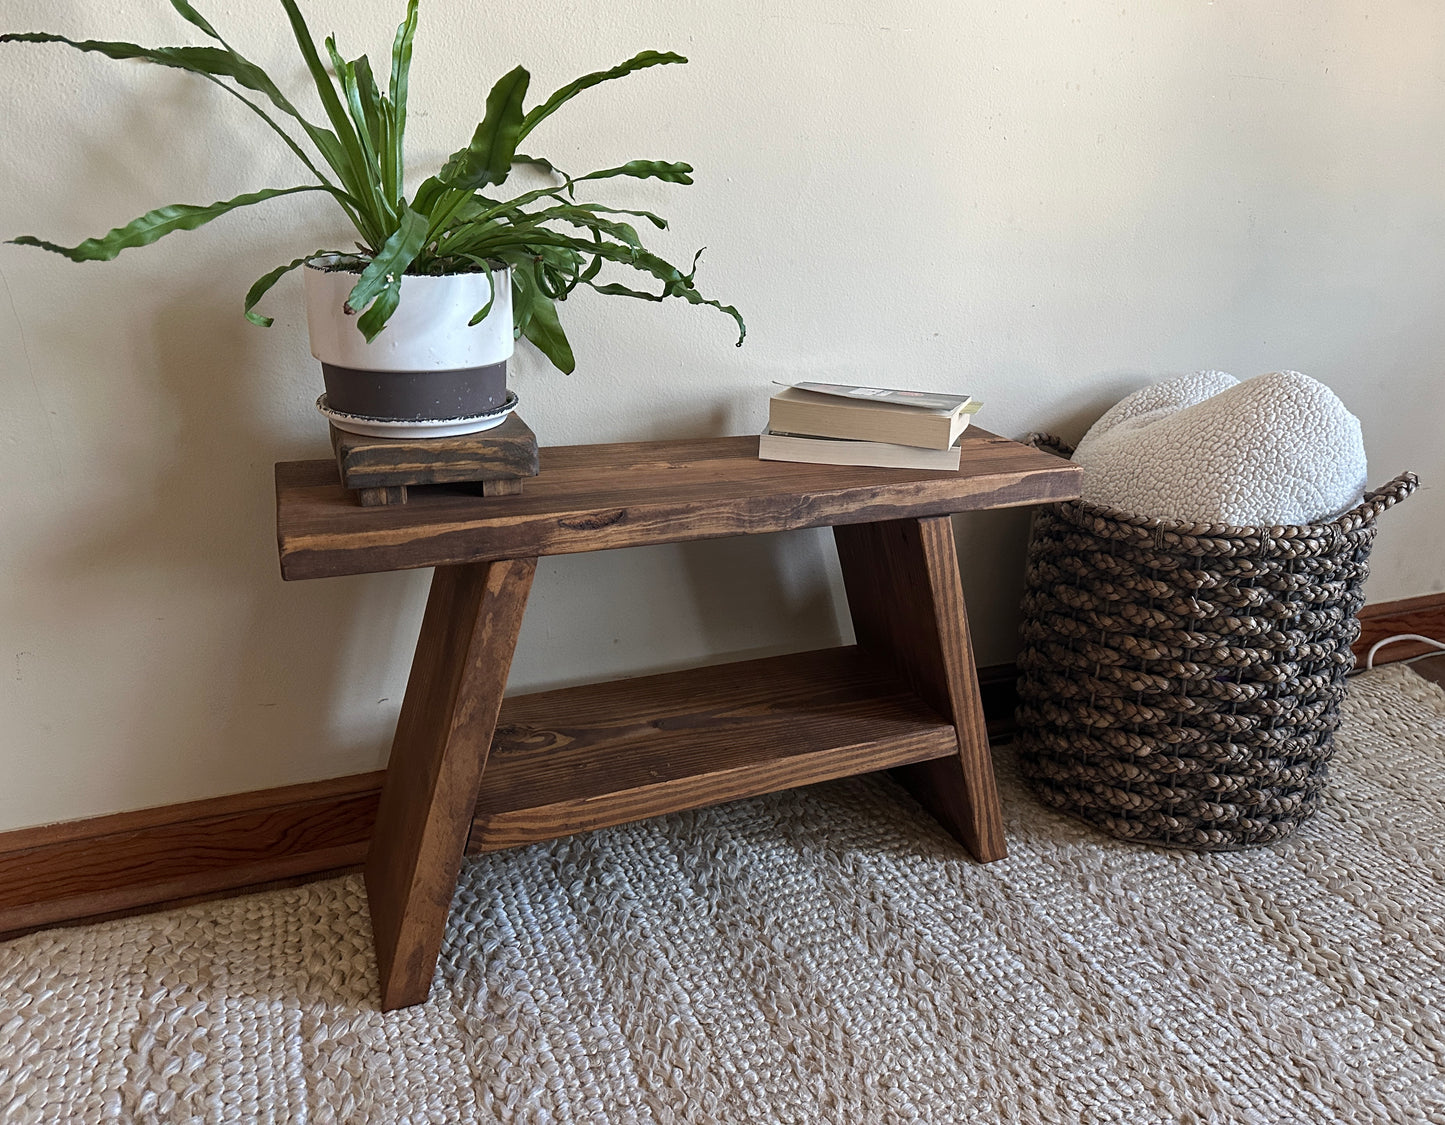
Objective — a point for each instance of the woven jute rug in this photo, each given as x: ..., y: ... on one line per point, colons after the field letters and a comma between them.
x: 824, y: 955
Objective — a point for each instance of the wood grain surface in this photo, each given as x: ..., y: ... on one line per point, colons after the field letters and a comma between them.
x: 505, y: 451
x: 464, y: 652
x: 907, y: 605
x: 63, y: 872
x: 610, y: 753
x: 376, y: 497
x: 595, y: 498
x: 586, y: 757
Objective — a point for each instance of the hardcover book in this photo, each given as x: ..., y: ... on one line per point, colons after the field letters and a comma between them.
x: 918, y: 418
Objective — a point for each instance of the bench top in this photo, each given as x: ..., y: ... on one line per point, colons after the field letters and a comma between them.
x: 599, y: 497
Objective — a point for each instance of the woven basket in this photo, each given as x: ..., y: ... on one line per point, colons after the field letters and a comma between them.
x: 1180, y: 682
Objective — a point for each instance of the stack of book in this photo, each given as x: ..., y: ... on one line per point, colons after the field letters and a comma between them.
x: 836, y: 424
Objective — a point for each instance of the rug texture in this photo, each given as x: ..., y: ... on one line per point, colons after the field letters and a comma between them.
x: 823, y: 955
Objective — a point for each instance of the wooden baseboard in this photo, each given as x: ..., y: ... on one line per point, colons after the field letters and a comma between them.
x: 88, y: 869
x: 110, y: 866
x: 1424, y: 616
x: 85, y: 869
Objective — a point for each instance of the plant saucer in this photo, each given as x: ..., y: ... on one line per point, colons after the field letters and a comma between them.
x: 422, y: 428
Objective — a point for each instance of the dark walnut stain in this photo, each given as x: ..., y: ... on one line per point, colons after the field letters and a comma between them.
x: 594, y: 523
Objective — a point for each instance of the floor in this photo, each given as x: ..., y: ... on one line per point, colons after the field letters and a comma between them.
x: 1432, y: 668
x: 820, y: 954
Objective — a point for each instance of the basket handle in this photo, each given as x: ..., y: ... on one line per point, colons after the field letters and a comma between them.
x: 1378, y: 500
x: 1050, y: 444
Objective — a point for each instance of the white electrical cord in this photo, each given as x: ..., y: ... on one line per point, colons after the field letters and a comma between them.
x: 1374, y: 648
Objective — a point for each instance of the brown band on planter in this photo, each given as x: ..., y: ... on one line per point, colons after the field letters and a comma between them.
x: 415, y: 396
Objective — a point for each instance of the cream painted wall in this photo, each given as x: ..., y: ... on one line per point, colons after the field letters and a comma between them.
x: 1046, y: 205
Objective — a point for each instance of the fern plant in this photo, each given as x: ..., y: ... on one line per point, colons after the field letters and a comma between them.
x: 553, y: 240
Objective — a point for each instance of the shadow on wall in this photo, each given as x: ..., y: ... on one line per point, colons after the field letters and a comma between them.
x: 761, y: 595
x: 230, y: 680
x: 170, y: 661
x: 1077, y: 411
x: 245, y: 681
x: 644, y: 610
x: 991, y: 549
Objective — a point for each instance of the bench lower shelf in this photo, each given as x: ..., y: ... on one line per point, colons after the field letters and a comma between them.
x: 588, y: 757
x: 473, y: 770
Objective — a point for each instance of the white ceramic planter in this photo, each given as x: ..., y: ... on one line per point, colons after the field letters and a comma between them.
x: 428, y: 369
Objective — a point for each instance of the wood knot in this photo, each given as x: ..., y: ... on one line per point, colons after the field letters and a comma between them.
x: 594, y: 523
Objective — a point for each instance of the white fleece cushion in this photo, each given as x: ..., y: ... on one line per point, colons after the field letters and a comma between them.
x: 1277, y: 449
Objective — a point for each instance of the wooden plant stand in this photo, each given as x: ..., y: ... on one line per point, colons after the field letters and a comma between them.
x: 380, y: 469
x: 472, y: 771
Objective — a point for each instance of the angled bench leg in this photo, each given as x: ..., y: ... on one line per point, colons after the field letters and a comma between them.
x: 907, y: 606
x: 468, y: 635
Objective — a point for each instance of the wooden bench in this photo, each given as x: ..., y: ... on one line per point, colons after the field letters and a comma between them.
x: 472, y: 770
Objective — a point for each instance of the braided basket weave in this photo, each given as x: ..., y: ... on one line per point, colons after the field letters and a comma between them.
x: 1180, y: 683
